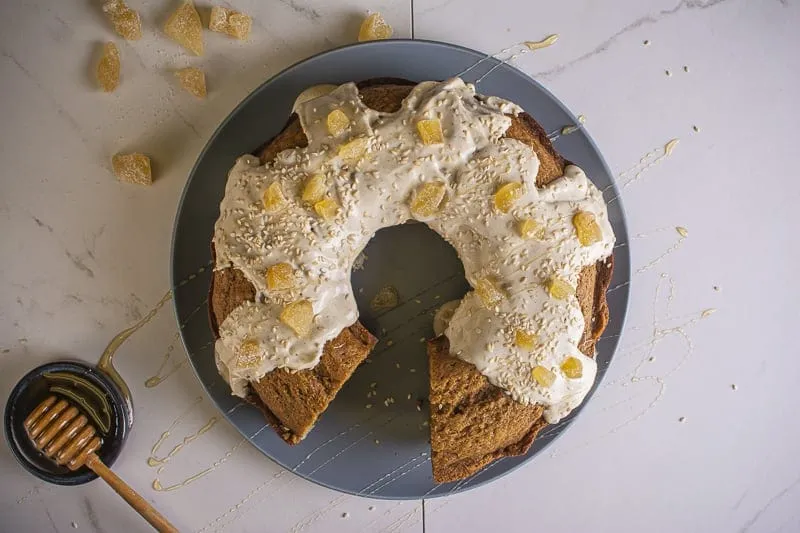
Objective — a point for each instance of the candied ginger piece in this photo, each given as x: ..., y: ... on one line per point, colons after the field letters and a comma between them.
x: 193, y: 80
x: 506, y: 195
x: 299, y: 316
x: 249, y: 354
x: 530, y: 229
x: 543, y: 376
x: 273, y: 199
x: 108, y: 68
x: 126, y: 21
x: 430, y: 131
x: 586, y: 228
x: 327, y: 208
x: 280, y: 277
x: 572, y: 367
x: 337, y: 122
x: 428, y: 199
x: 490, y: 293
x: 374, y: 28
x: 185, y: 28
x: 525, y: 340
x: 230, y: 22
x: 314, y: 189
x: 559, y: 289
x: 352, y: 151
x: 132, y: 168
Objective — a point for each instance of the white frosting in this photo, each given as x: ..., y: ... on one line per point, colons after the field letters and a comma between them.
x: 473, y: 162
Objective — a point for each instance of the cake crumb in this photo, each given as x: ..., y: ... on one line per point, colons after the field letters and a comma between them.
x: 646, y: 42
x: 389, y: 342
x: 682, y: 419
x: 695, y: 129
x: 377, y: 441
x: 371, y: 508
x: 368, y: 406
x: 686, y: 68
x: 412, y: 370
x: 397, y: 365
x: 386, y: 298
x: 716, y: 288
x: 683, y: 232
x: 668, y: 73
x: 422, y: 339
x: 358, y: 264
x: 345, y: 515
x: 708, y: 312
x: 409, y: 396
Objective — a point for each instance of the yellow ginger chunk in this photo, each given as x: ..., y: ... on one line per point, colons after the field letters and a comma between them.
x: 559, y: 288
x: 126, y: 21
x: 249, y: 354
x: 530, y: 229
x: 430, y: 131
x: 572, y: 367
x: 489, y: 292
x: 506, y: 195
x: 586, y: 228
x: 184, y: 27
x: 337, y: 122
x: 273, y: 199
x: 230, y: 22
x: 299, y: 316
x: 132, y: 168
x: 525, y: 340
x: 327, y: 208
x: 543, y: 376
x: 108, y: 68
x: 374, y: 28
x: 428, y: 199
x: 193, y: 80
x: 352, y: 151
x: 280, y: 276
x: 314, y: 189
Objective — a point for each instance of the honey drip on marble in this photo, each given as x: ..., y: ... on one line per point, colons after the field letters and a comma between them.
x: 106, y: 363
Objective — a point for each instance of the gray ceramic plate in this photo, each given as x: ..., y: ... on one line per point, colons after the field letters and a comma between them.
x: 382, y: 451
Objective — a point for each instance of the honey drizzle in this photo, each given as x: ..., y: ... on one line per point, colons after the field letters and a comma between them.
x: 106, y: 363
x: 530, y: 46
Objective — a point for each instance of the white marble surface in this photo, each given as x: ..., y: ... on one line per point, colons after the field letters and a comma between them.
x: 84, y: 256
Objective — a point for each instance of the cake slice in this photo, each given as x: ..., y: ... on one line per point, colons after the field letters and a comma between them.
x: 472, y: 421
x: 293, y: 401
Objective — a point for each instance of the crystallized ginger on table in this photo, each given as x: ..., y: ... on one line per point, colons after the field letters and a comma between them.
x: 193, y: 80
x: 230, y: 22
x: 184, y: 27
x: 374, y: 28
x: 126, y: 21
x: 108, y: 68
x: 132, y: 168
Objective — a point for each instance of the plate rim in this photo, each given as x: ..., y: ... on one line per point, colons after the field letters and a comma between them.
x: 621, y: 260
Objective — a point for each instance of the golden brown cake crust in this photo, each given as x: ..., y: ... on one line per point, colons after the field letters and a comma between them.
x: 477, y: 422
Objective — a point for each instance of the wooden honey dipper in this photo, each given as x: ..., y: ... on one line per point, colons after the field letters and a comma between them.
x: 64, y: 435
